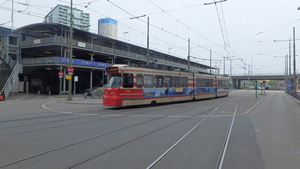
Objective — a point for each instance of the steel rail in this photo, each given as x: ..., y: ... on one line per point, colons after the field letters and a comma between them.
x: 183, y: 137
x: 227, y: 137
x: 84, y: 140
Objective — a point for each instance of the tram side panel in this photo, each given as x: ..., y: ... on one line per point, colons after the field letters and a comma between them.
x: 129, y: 86
x: 222, y: 86
x: 147, y: 86
x: 204, y: 87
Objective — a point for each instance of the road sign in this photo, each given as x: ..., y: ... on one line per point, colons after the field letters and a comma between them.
x: 70, y: 70
x: 69, y: 77
x: 60, y: 74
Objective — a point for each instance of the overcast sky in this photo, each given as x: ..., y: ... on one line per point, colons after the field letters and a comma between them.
x: 235, y: 29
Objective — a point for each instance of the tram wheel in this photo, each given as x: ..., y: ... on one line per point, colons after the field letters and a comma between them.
x: 153, y: 103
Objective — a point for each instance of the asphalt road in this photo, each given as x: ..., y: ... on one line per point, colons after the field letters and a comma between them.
x: 45, y: 132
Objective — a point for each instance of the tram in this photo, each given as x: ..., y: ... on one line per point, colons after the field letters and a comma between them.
x: 130, y: 86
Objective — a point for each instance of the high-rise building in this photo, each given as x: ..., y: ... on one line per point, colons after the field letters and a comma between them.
x: 61, y: 14
x: 108, y: 27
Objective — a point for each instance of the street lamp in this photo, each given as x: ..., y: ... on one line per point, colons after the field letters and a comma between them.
x: 125, y: 33
x: 71, y: 52
x: 92, y: 58
x: 288, y: 60
x: 286, y: 67
x: 214, y: 2
x: 147, y: 55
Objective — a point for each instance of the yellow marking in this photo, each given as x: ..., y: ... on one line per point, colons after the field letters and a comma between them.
x: 249, y: 110
x: 44, y: 107
x: 179, y: 89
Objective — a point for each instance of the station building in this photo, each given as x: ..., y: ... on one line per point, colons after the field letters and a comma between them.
x: 32, y: 56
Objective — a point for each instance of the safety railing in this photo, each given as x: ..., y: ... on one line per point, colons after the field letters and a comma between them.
x: 11, y: 80
x: 6, y: 58
x: 105, y: 49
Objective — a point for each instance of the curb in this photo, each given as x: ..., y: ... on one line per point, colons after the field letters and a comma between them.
x: 70, y: 102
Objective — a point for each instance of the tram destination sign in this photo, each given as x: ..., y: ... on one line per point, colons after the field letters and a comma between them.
x: 112, y: 69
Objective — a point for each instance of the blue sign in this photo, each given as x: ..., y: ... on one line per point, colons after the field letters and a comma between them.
x: 290, y: 86
x: 82, y: 62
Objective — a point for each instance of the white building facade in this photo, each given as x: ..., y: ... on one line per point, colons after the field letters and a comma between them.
x: 61, y: 14
x: 108, y: 27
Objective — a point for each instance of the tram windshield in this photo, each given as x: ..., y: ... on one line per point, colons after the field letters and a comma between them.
x: 114, y: 81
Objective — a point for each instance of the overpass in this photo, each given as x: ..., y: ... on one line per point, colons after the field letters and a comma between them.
x: 236, y: 80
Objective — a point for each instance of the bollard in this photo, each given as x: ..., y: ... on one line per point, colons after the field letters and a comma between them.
x: 85, y: 95
x: 49, y: 93
x: 38, y: 92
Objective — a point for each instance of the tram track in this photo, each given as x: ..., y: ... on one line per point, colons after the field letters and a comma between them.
x: 84, y: 141
x: 182, y: 138
x: 147, y: 134
x: 227, y: 137
x: 105, y: 113
x: 94, y: 137
x: 223, y: 150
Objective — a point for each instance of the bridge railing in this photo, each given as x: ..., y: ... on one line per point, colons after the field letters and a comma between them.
x: 260, y: 74
x: 294, y: 94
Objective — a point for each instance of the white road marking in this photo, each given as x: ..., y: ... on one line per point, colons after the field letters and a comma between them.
x: 44, y: 107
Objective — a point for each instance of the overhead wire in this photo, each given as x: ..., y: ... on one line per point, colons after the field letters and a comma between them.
x: 225, y: 28
x: 221, y: 28
x: 4, y: 2
x: 265, y: 31
x: 178, y: 22
x: 166, y: 11
x: 157, y: 27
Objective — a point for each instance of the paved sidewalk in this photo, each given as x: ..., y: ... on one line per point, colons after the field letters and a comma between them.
x: 77, y: 99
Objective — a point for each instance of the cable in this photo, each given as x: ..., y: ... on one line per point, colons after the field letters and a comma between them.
x: 265, y: 31
x: 165, y: 11
x: 4, y: 2
x: 5, y: 23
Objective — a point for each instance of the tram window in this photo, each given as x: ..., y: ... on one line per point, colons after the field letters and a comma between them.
x: 148, y: 81
x: 184, y: 81
x: 168, y: 81
x: 198, y: 82
x: 114, y: 81
x: 139, y: 80
x: 202, y: 82
x: 176, y: 81
x: 221, y: 83
x: 210, y: 82
x: 127, y: 80
x: 206, y: 82
x: 159, y: 81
